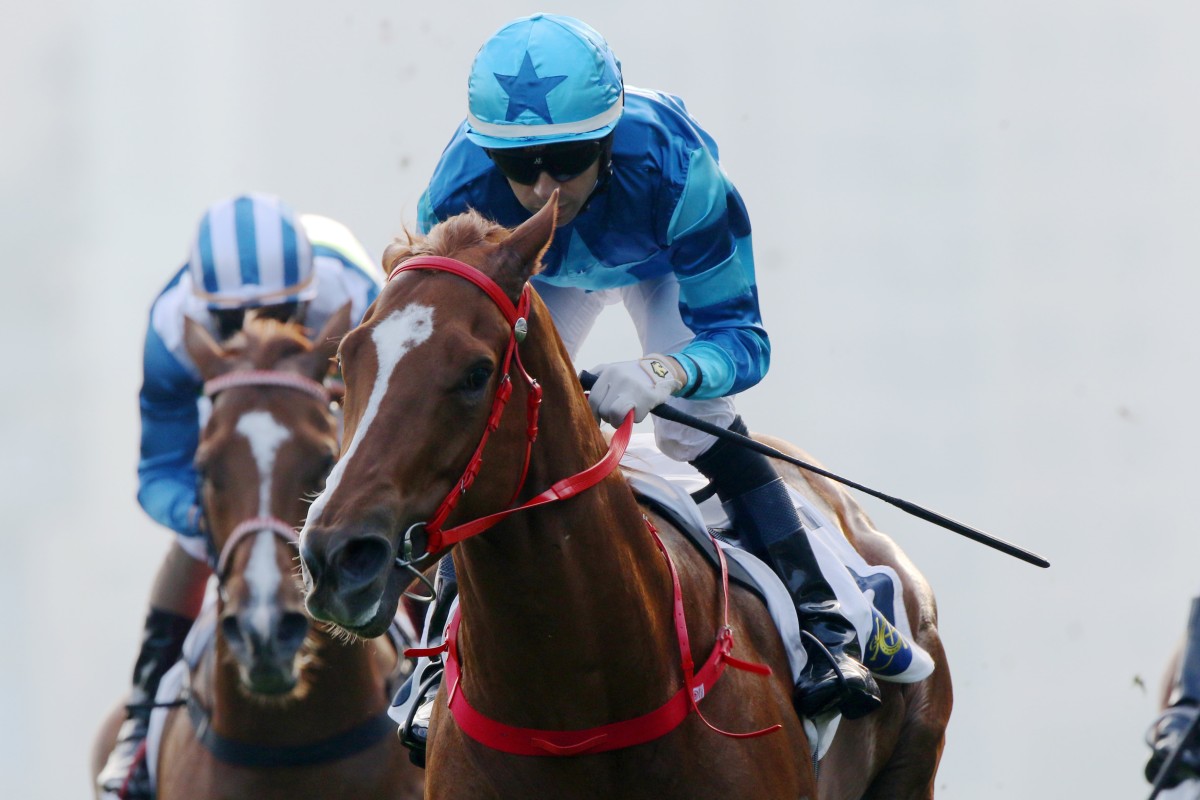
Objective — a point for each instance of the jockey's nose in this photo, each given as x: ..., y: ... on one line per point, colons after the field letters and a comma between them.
x: 545, y: 186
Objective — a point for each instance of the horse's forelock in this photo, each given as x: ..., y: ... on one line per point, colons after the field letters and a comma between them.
x: 458, y: 233
x: 266, y: 342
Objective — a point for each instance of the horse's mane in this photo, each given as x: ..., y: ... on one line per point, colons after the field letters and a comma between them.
x: 265, y: 342
x: 462, y: 232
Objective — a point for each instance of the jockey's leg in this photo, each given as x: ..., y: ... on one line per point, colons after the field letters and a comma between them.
x: 416, y: 697
x: 1166, y: 734
x: 758, y: 501
x: 175, y: 601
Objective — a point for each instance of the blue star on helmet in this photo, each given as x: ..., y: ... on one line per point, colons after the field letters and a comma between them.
x: 527, y: 91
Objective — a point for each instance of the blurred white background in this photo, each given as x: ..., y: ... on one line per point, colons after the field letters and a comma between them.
x: 977, y: 249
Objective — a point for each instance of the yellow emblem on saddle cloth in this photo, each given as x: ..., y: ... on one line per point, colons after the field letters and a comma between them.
x: 887, y: 651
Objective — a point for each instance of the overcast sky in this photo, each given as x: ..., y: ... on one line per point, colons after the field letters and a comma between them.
x: 976, y: 243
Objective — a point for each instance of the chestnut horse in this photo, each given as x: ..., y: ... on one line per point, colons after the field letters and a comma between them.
x: 277, y: 707
x: 568, y: 643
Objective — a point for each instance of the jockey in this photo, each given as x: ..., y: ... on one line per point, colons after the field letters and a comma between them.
x: 251, y: 255
x: 1167, y: 733
x: 648, y: 218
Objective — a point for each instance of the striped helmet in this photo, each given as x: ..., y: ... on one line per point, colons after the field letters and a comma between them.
x: 251, y: 251
x: 543, y: 79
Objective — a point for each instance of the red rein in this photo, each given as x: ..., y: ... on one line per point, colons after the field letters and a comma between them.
x: 615, y: 735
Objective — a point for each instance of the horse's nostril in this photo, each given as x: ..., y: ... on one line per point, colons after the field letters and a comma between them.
x: 310, y: 565
x: 293, y: 627
x: 231, y: 629
x: 361, y: 560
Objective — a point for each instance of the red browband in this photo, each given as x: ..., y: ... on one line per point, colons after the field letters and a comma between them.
x: 518, y: 320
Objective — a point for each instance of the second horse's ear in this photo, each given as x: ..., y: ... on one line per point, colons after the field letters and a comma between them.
x: 521, y: 253
x: 325, y: 344
x: 210, y: 357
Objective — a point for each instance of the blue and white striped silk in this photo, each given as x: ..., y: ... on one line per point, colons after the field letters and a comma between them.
x: 343, y: 273
x: 250, y: 250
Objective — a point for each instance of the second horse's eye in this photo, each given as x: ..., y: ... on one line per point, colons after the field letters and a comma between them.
x: 477, y: 378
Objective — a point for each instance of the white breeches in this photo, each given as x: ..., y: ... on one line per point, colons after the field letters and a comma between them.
x: 653, y: 306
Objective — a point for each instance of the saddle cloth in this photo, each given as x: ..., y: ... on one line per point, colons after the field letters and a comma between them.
x: 871, y: 595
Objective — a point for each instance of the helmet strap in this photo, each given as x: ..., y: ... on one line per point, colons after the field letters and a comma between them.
x: 604, y: 176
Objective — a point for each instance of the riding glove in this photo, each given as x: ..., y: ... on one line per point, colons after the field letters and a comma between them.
x: 634, y: 385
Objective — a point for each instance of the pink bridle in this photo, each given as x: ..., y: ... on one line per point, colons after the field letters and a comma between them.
x: 267, y: 377
x: 249, y: 527
x: 270, y: 524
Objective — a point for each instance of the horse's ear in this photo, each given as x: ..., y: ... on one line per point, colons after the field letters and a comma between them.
x: 522, y: 251
x: 204, y: 350
x: 326, y: 343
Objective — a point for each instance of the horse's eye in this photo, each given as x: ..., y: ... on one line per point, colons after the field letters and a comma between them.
x: 477, y: 379
x: 323, y: 468
x: 208, y: 478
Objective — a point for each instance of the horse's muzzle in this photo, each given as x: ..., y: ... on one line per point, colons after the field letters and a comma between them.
x: 345, y: 575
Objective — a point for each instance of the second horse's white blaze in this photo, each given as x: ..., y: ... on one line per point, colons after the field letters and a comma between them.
x: 262, y: 573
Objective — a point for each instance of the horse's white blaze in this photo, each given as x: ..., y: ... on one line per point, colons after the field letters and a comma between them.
x: 262, y: 573
x: 394, y: 338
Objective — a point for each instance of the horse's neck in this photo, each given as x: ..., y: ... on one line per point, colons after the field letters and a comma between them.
x: 343, y: 684
x: 572, y: 597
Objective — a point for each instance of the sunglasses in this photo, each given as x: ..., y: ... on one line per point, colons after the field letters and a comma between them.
x: 561, y: 162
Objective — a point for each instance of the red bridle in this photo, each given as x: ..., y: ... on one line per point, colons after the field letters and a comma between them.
x: 612, y: 736
x: 518, y: 319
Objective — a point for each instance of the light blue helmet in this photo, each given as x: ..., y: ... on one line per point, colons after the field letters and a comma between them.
x: 543, y: 79
x: 251, y: 251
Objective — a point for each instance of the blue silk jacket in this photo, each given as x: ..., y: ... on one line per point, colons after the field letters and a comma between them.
x: 669, y: 207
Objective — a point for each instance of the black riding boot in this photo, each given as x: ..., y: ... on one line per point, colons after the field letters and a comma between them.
x: 126, y: 768
x: 1167, y: 734
x: 414, y: 731
x: 758, y: 501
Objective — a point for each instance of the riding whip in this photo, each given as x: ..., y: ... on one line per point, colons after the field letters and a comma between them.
x: 1164, y: 771
x: 665, y: 411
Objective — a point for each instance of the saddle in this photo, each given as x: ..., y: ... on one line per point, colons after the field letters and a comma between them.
x: 871, y: 595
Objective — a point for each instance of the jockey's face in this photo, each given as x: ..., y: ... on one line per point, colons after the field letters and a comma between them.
x: 572, y: 193
x: 535, y: 173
